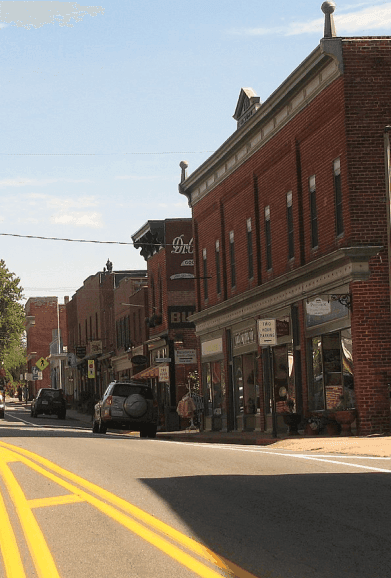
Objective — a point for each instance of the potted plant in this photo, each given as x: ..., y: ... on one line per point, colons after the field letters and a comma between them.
x: 312, y: 425
x: 333, y: 428
x: 345, y: 413
x: 291, y: 419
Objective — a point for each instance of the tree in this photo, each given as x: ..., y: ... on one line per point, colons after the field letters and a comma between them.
x: 11, y: 321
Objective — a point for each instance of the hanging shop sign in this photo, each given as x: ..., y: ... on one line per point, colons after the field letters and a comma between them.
x: 182, y: 276
x: 164, y: 373
x: 91, y: 369
x: 139, y: 360
x: 95, y: 347
x: 187, y: 263
x: 318, y: 307
x: 267, y: 332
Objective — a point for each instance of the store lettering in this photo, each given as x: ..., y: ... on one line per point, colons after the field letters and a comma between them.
x: 244, y: 338
x: 180, y: 247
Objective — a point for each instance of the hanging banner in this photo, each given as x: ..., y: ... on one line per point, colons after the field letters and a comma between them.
x: 91, y: 369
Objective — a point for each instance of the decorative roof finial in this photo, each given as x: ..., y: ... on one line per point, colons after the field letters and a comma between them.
x: 183, y: 165
x: 328, y: 8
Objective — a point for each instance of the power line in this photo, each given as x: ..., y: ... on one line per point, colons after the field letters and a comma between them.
x: 103, y: 154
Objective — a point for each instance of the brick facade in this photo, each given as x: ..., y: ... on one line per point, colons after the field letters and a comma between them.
x: 316, y: 143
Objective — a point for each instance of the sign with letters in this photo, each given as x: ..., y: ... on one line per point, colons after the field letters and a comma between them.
x: 267, y: 332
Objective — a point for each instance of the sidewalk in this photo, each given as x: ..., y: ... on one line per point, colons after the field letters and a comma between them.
x: 377, y: 445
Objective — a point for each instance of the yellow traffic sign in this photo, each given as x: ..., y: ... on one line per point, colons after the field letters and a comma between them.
x: 42, y: 363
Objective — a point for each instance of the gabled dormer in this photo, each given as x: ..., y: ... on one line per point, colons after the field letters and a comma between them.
x: 248, y: 104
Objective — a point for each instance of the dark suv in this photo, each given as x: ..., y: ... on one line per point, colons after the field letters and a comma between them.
x: 49, y: 401
x: 127, y: 405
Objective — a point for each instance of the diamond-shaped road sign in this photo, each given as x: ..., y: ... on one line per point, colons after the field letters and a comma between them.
x: 42, y: 363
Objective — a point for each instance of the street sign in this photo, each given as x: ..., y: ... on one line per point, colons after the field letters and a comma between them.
x: 35, y: 372
x: 42, y: 364
x: 162, y: 359
x: 164, y: 373
x: 267, y: 332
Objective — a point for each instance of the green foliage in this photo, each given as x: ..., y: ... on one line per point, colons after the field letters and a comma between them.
x: 12, y: 356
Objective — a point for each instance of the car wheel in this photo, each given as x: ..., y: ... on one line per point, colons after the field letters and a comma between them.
x: 95, y: 427
x: 102, y: 427
x: 151, y: 431
x: 143, y: 433
x: 1, y: 414
x: 62, y: 415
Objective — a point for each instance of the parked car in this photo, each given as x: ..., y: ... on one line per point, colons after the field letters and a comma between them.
x: 127, y: 405
x: 49, y: 401
x: 2, y: 404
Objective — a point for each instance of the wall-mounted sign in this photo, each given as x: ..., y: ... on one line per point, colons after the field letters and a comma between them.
x: 244, y: 337
x: 187, y: 263
x: 164, y: 373
x: 267, y: 332
x: 182, y: 276
x: 185, y: 356
x: 318, y: 307
x: 81, y: 351
x: 179, y: 246
x: 178, y: 316
x: 212, y: 347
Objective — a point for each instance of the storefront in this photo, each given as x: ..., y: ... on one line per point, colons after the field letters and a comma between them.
x: 214, y: 384
x: 246, y: 406
x: 329, y: 353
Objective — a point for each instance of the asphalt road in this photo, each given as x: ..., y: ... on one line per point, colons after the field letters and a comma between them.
x: 117, y: 505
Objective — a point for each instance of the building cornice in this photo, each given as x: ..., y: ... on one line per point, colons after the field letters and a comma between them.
x: 321, y: 275
x: 313, y: 75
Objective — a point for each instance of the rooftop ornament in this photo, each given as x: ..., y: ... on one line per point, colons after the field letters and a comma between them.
x: 329, y: 26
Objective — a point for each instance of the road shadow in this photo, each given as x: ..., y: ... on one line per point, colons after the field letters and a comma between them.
x: 289, y: 526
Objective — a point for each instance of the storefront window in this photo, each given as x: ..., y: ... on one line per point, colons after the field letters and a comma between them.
x: 207, y: 388
x: 214, y: 387
x: 283, y: 372
x: 332, y: 370
x: 238, y: 386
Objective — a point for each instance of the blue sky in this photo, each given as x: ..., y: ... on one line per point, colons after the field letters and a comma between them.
x: 101, y: 102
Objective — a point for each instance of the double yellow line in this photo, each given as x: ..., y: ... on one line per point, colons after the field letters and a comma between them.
x: 170, y: 541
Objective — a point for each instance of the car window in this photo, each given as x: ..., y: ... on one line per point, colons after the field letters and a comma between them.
x: 125, y: 389
x: 49, y: 394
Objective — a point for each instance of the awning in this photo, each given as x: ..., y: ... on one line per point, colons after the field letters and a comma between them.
x: 147, y: 373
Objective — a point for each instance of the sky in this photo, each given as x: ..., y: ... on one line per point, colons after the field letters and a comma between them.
x: 100, y: 103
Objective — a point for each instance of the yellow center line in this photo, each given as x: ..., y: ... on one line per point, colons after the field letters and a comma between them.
x: 197, y: 548
x: 38, y: 547
x: 54, y: 501
x: 9, y: 550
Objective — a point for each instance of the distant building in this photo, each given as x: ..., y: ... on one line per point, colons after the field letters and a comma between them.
x: 45, y: 320
x: 167, y: 247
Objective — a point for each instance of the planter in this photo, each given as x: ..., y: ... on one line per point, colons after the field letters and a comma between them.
x: 333, y: 428
x: 292, y: 420
x: 345, y: 418
x: 310, y: 431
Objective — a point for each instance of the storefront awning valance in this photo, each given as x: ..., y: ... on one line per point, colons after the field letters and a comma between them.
x: 147, y: 373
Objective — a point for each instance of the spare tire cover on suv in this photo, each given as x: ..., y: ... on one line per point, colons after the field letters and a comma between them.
x: 135, y: 405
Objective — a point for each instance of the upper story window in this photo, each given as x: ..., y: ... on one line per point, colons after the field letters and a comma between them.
x: 205, y: 273
x: 314, y: 212
x: 232, y: 258
x: 250, y: 250
x: 268, y: 238
x: 218, y: 271
x: 289, y: 217
x: 338, y: 197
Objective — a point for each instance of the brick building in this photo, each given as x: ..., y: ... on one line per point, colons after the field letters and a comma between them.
x: 91, y: 332
x: 167, y: 247
x: 130, y: 312
x: 291, y: 234
x: 44, y: 317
